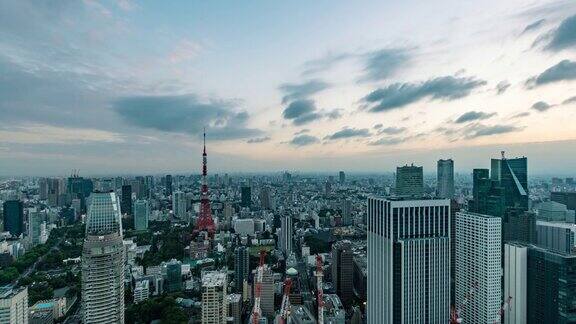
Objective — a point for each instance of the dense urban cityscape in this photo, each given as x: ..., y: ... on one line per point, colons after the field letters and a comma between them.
x: 397, y: 247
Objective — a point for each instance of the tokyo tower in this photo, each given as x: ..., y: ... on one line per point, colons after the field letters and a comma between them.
x: 205, y: 221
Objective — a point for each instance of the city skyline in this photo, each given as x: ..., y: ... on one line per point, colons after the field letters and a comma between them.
x: 127, y: 87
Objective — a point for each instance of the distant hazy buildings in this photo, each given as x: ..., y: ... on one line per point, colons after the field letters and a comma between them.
x: 408, y: 261
x: 214, y: 298
x: 445, y: 178
x: 13, y: 217
x: 103, y: 261
x: 13, y: 305
x: 478, y: 263
x: 409, y: 181
x: 342, y: 177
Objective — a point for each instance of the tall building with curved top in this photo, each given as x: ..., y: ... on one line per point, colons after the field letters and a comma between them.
x: 103, y: 261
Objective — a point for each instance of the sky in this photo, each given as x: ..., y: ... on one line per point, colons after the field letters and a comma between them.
x: 127, y: 86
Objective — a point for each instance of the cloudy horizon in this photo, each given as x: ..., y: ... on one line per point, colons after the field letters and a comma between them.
x: 112, y: 87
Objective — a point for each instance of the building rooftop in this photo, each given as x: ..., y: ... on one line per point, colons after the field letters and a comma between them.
x: 213, y: 279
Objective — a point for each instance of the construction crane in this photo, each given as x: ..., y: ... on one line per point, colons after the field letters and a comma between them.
x: 285, y: 308
x: 320, y: 293
x: 456, y: 311
x: 256, y: 311
x: 505, y: 305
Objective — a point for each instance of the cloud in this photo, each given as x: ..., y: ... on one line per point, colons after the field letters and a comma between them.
x: 348, y: 133
x: 258, y: 140
x: 502, y: 86
x: 377, y: 126
x: 304, y: 111
x: 303, y: 140
x: 384, y: 63
x: 479, y: 130
x: 533, y: 26
x: 570, y: 100
x: 334, y: 114
x: 324, y: 63
x: 563, y: 71
x: 473, y: 115
x: 388, y: 141
x: 302, y: 131
x: 298, y: 91
x: 541, y: 106
x: 398, y: 95
x: 392, y: 130
x: 186, y: 114
x: 520, y: 115
x: 564, y: 36
x: 185, y: 50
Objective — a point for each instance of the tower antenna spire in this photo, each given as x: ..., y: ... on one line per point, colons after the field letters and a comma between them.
x: 205, y: 221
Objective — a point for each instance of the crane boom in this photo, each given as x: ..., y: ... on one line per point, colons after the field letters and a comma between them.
x: 285, y: 307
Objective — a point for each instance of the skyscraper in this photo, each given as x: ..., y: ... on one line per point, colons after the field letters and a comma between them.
x: 13, y: 217
x: 35, y: 219
x: 512, y: 176
x: 551, y: 282
x: 515, y: 282
x: 478, y: 263
x: 168, y: 184
x: 342, y: 177
x: 241, y: 267
x: 179, y: 204
x: 265, y: 198
x: 173, y: 276
x: 214, y: 297
x: 409, y: 181
x: 141, y: 215
x: 445, y: 176
x: 246, y: 196
x: 346, y: 212
x: 286, y: 234
x: 103, y: 261
x: 408, y: 261
x: 343, y: 271
x: 267, y: 294
x: 126, y: 204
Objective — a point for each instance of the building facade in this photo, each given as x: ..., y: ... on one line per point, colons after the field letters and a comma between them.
x: 478, y: 265
x: 445, y: 179
x: 515, y: 282
x: 13, y: 305
x: 214, y: 298
x: 409, y: 181
x: 408, y: 261
x: 103, y: 261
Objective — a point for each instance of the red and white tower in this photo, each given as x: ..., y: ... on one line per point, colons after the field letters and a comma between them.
x: 205, y: 221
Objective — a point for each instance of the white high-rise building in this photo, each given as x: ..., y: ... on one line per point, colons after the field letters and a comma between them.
x: 408, y: 261
x: 515, y: 282
x: 103, y: 261
x: 179, y: 204
x: 286, y: 234
x: 141, y: 215
x: 214, y: 297
x: 445, y: 177
x: 141, y: 291
x: 13, y: 305
x: 478, y: 265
